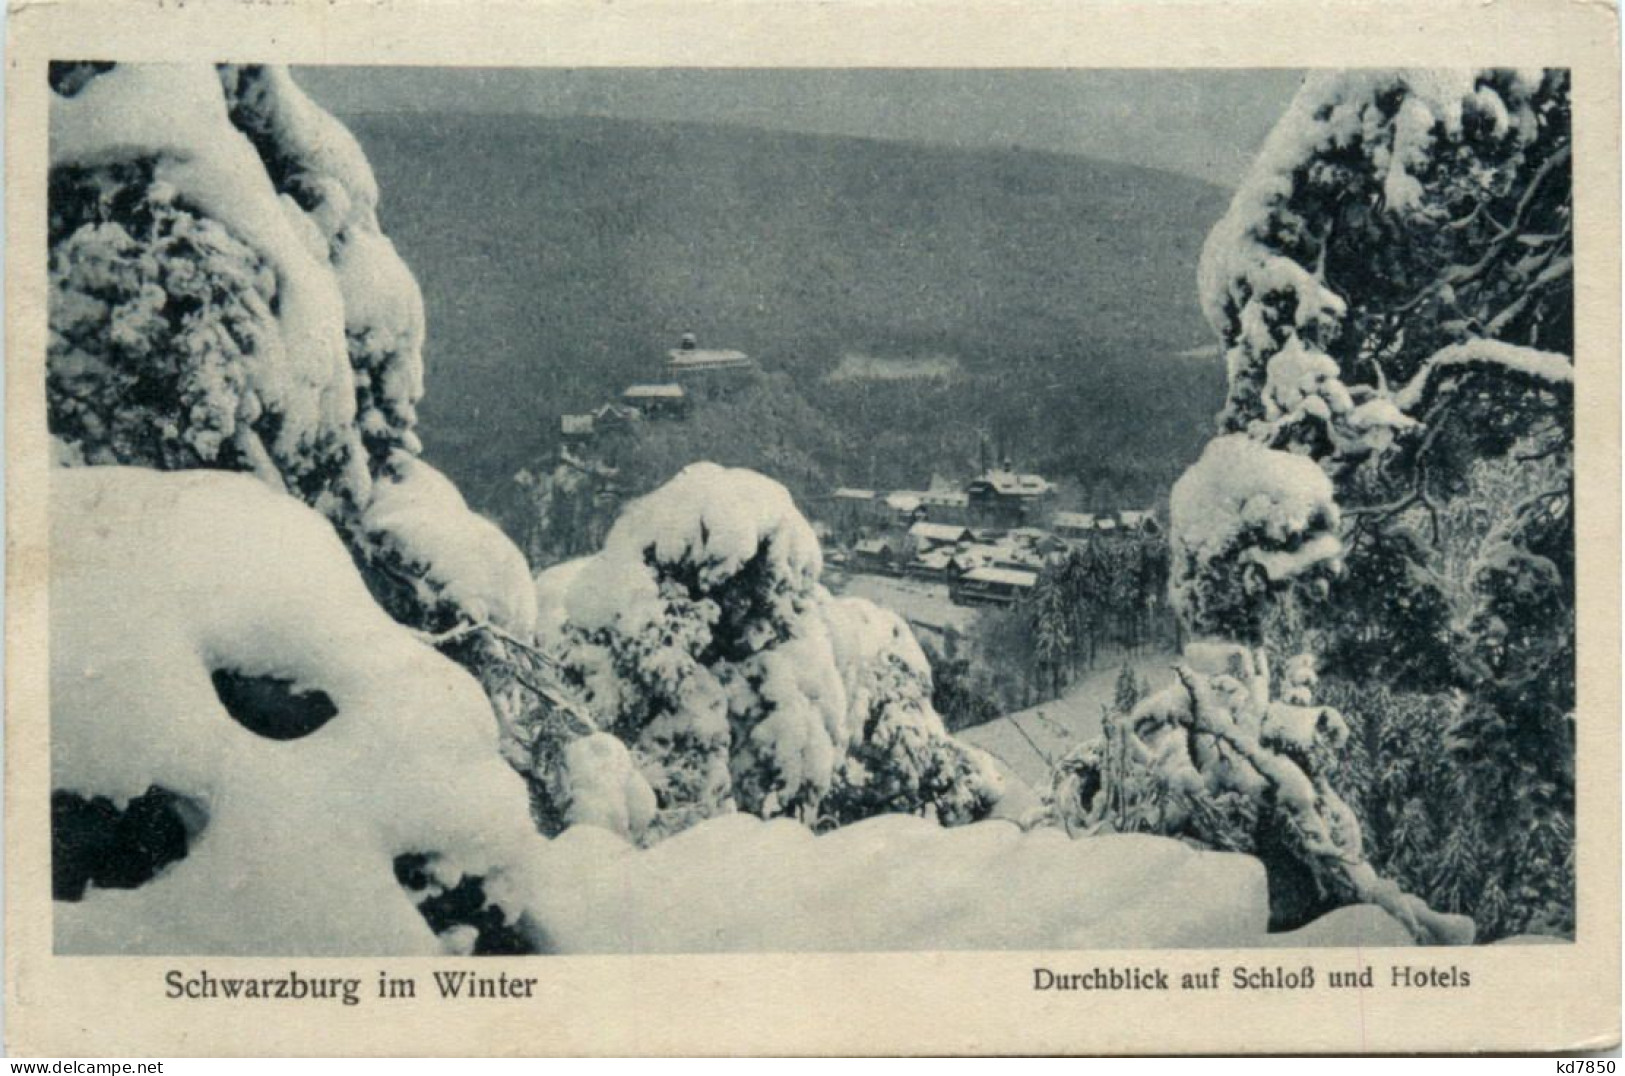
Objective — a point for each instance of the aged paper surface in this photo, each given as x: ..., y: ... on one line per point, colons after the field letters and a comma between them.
x: 836, y: 974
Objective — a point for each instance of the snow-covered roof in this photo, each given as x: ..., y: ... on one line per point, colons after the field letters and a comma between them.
x: 1075, y: 520
x: 575, y: 423
x: 938, y: 532
x: 845, y: 494
x: 705, y: 358
x: 941, y: 499
x: 1007, y: 576
x: 661, y: 392
x: 903, y: 502
x: 1133, y: 518
x: 615, y: 410
x: 1018, y: 559
x: 936, y: 560
x: 873, y: 545
x: 1012, y: 484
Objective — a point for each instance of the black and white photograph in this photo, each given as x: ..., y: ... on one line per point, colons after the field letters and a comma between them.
x: 534, y: 511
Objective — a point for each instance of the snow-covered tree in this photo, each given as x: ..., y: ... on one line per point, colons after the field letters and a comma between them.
x: 900, y: 757
x: 323, y: 779
x: 1394, y: 223
x: 1394, y: 289
x: 700, y: 636
x: 1052, y: 630
x: 1248, y: 521
x: 564, y: 512
x: 222, y: 297
x: 1128, y: 690
x: 1393, y: 286
x: 434, y: 562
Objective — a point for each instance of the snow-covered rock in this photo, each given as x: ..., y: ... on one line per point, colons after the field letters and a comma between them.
x: 158, y: 582
x: 738, y: 884
x: 1363, y: 926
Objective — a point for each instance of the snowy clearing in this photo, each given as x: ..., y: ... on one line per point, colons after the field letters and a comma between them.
x: 1061, y: 724
x: 922, y: 604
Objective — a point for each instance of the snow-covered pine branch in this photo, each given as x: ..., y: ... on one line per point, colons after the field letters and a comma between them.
x: 1543, y: 370
x: 1214, y: 758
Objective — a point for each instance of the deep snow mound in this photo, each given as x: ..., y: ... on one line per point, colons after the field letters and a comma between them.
x: 164, y: 588
x: 739, y: 884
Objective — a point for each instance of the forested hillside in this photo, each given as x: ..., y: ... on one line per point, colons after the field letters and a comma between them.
x: 559, y: 258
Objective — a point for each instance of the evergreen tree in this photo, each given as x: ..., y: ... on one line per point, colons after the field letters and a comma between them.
x: 1128, y: 690
x: 1051, y: 629
x: 1393, y: 288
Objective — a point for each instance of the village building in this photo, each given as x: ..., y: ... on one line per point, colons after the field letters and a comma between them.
x: 1005, y: 499
x: 856, y: 510
x: 1031, y: 536
x: 614, y: 418
x: 1073, y: 525
x: 575, y: 429
x: 968, y: 558
x: 934, y: 564
x: 875, y: 555
x: 991, y: 586
x: 927, y: 535
x: 586, y: 429
x: 945, y: 506
x: 904, y: 507
x: 939, y: 506
x: 709, y: 372
x: 1019, y: 557
x: 657, y: 401
x: 1077, y: 526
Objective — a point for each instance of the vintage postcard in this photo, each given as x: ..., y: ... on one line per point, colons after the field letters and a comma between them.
x: 884, y: 528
